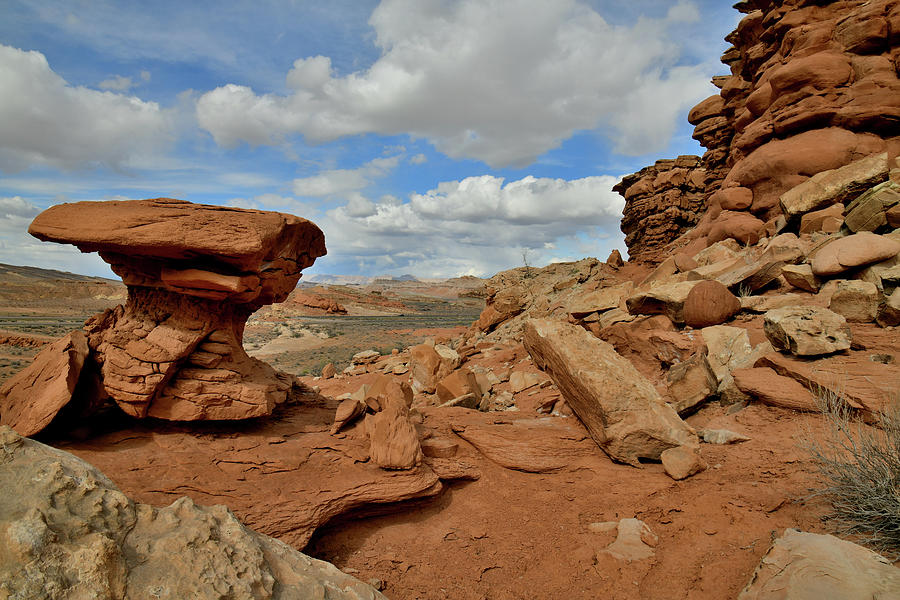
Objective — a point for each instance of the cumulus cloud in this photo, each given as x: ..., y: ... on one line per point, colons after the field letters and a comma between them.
x: 476, y: 226
x: 502, y: 81
x: 46, y: 121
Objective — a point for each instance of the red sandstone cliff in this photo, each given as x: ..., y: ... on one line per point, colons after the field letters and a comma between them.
x: 813, y: 86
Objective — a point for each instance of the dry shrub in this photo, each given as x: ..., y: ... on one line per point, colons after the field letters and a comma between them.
x: 860, y: 464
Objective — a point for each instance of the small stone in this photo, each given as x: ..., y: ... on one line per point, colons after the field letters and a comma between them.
x: 682, y: 461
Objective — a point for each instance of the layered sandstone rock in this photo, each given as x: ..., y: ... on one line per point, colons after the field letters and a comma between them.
x: 812, y: 87
x: 194, y: 274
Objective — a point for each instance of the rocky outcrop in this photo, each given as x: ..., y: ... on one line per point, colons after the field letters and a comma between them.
x: 194, y: 274
x: 812, y: 87
x: 812, y: 566
x: 662, y: 202
x: 69, y: 532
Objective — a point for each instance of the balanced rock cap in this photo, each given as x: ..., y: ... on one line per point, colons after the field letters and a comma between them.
x: 169, y: 229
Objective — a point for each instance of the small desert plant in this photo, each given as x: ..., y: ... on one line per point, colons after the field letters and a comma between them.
x: 860, y: 464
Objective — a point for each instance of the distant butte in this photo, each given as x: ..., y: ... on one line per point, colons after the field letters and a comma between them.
x: 194, y: 273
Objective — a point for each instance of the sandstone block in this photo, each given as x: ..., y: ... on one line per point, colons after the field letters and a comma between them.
x: 852, y: 251
x: 801, y: 276
x: 618, y: 406
x: 690, y: 383
x: 769, y: 387
x: 681, y: 462
x: 662, y: 299
x: 857, y: 301
x: 868, y: 211
x: 835, y: 185
x: 807, y: 330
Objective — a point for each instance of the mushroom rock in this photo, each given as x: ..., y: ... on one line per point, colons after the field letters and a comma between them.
x: 194, y: 273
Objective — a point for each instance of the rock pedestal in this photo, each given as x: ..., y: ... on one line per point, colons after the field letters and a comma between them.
x: 194, y: 273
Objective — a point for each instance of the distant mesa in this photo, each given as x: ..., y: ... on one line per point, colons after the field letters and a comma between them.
x: 194, y: 274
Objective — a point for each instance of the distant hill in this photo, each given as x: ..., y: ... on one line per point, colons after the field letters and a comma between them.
x: 31, y: 287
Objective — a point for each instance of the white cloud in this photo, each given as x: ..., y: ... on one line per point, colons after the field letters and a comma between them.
x: 339, y: 182
x: 477, y: 225
x: 503, y: 81
x: 418, y: 159
x: 45, y: 121
x: 116, y: 83
x: 17, y: 247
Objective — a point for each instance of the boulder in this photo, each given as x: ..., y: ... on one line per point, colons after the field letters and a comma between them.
x: 33, y: 396
x: 458, y: 383
x: 709, y: 303
x: 835, y: 185
x: 801, y: 276
x: 328, y: 371
x: 852, y: 251
x: 733, y: 198
x: 347, y: 411
x: 825, y: 220
x: 661, y: 299
x: 393, y: 441
x: 868, y: 211
x: 807, y: 330
x: 615, y: 259
x: 889, y: 313
x: 739, y: 226
x: 682, y: 462
x: 68, y: 532
x: 621, y: 410
x: 691, y: 383
x: 813, y: 566
x: 857, y: 301
x: 729, y: 348
x: 601, y: 300
x: 769, y: 387
x: 429, y: 364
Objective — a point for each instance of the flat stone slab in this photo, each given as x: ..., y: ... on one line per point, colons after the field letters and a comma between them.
x: 166, y: 228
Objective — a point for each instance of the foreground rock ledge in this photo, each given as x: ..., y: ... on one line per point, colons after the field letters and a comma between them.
x: 194, y: 273
x: 68, y: 532
x: 621, y: 410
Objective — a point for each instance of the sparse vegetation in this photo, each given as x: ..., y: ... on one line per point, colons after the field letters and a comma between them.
x: 860, y: 464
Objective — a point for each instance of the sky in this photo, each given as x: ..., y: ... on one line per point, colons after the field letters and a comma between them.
x: 436, y: 138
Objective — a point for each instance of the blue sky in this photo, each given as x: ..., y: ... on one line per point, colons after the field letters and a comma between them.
x: 432, y: 137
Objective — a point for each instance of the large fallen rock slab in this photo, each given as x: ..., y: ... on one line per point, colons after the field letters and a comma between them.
x: 769, y: 387
x: 856, y: 301
x: 621, y: 410
x: 835, y: 185
x: 807, y: 330
x: 34, y: 395
x: 68, y: 532
x: 728, y: 348
x: 855, y: 250
x: 532, y: 445
x: 812, y: 566
x: 869, y: 211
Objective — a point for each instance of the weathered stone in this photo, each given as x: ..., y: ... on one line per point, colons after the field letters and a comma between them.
x: 807, y: 330
x: 836, y: 185
x: 867, y: 212
x: 853, y: 251
x: 194, y: 274
x: 68, y: 532
x: 682, y: 462
x: 615, y: 259
x: 889, y: 313
x: 600, y: 300
x: 634, y: 541
x: 728, y: 349
x: 721, y: 436
x: 328, y: 371
x: 346, y: 412
x: 812, y: 566
x: 762, y: 304
x: 663, y: 299
x: 393, y: 442
x: 690, y: 383
x: 769, y: 387
x: 429, y: 364
x: 458, y: 383
x: 857, y: 301
x: 801, y: 276
x: 709, y: 303
x: 826, y: 220
x: 33, y: 396
x: 618, y: 406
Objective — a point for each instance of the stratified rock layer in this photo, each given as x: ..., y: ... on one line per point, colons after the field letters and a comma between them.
x: 68, y: 532
x: 812, y: 87
x: 194, y: 274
